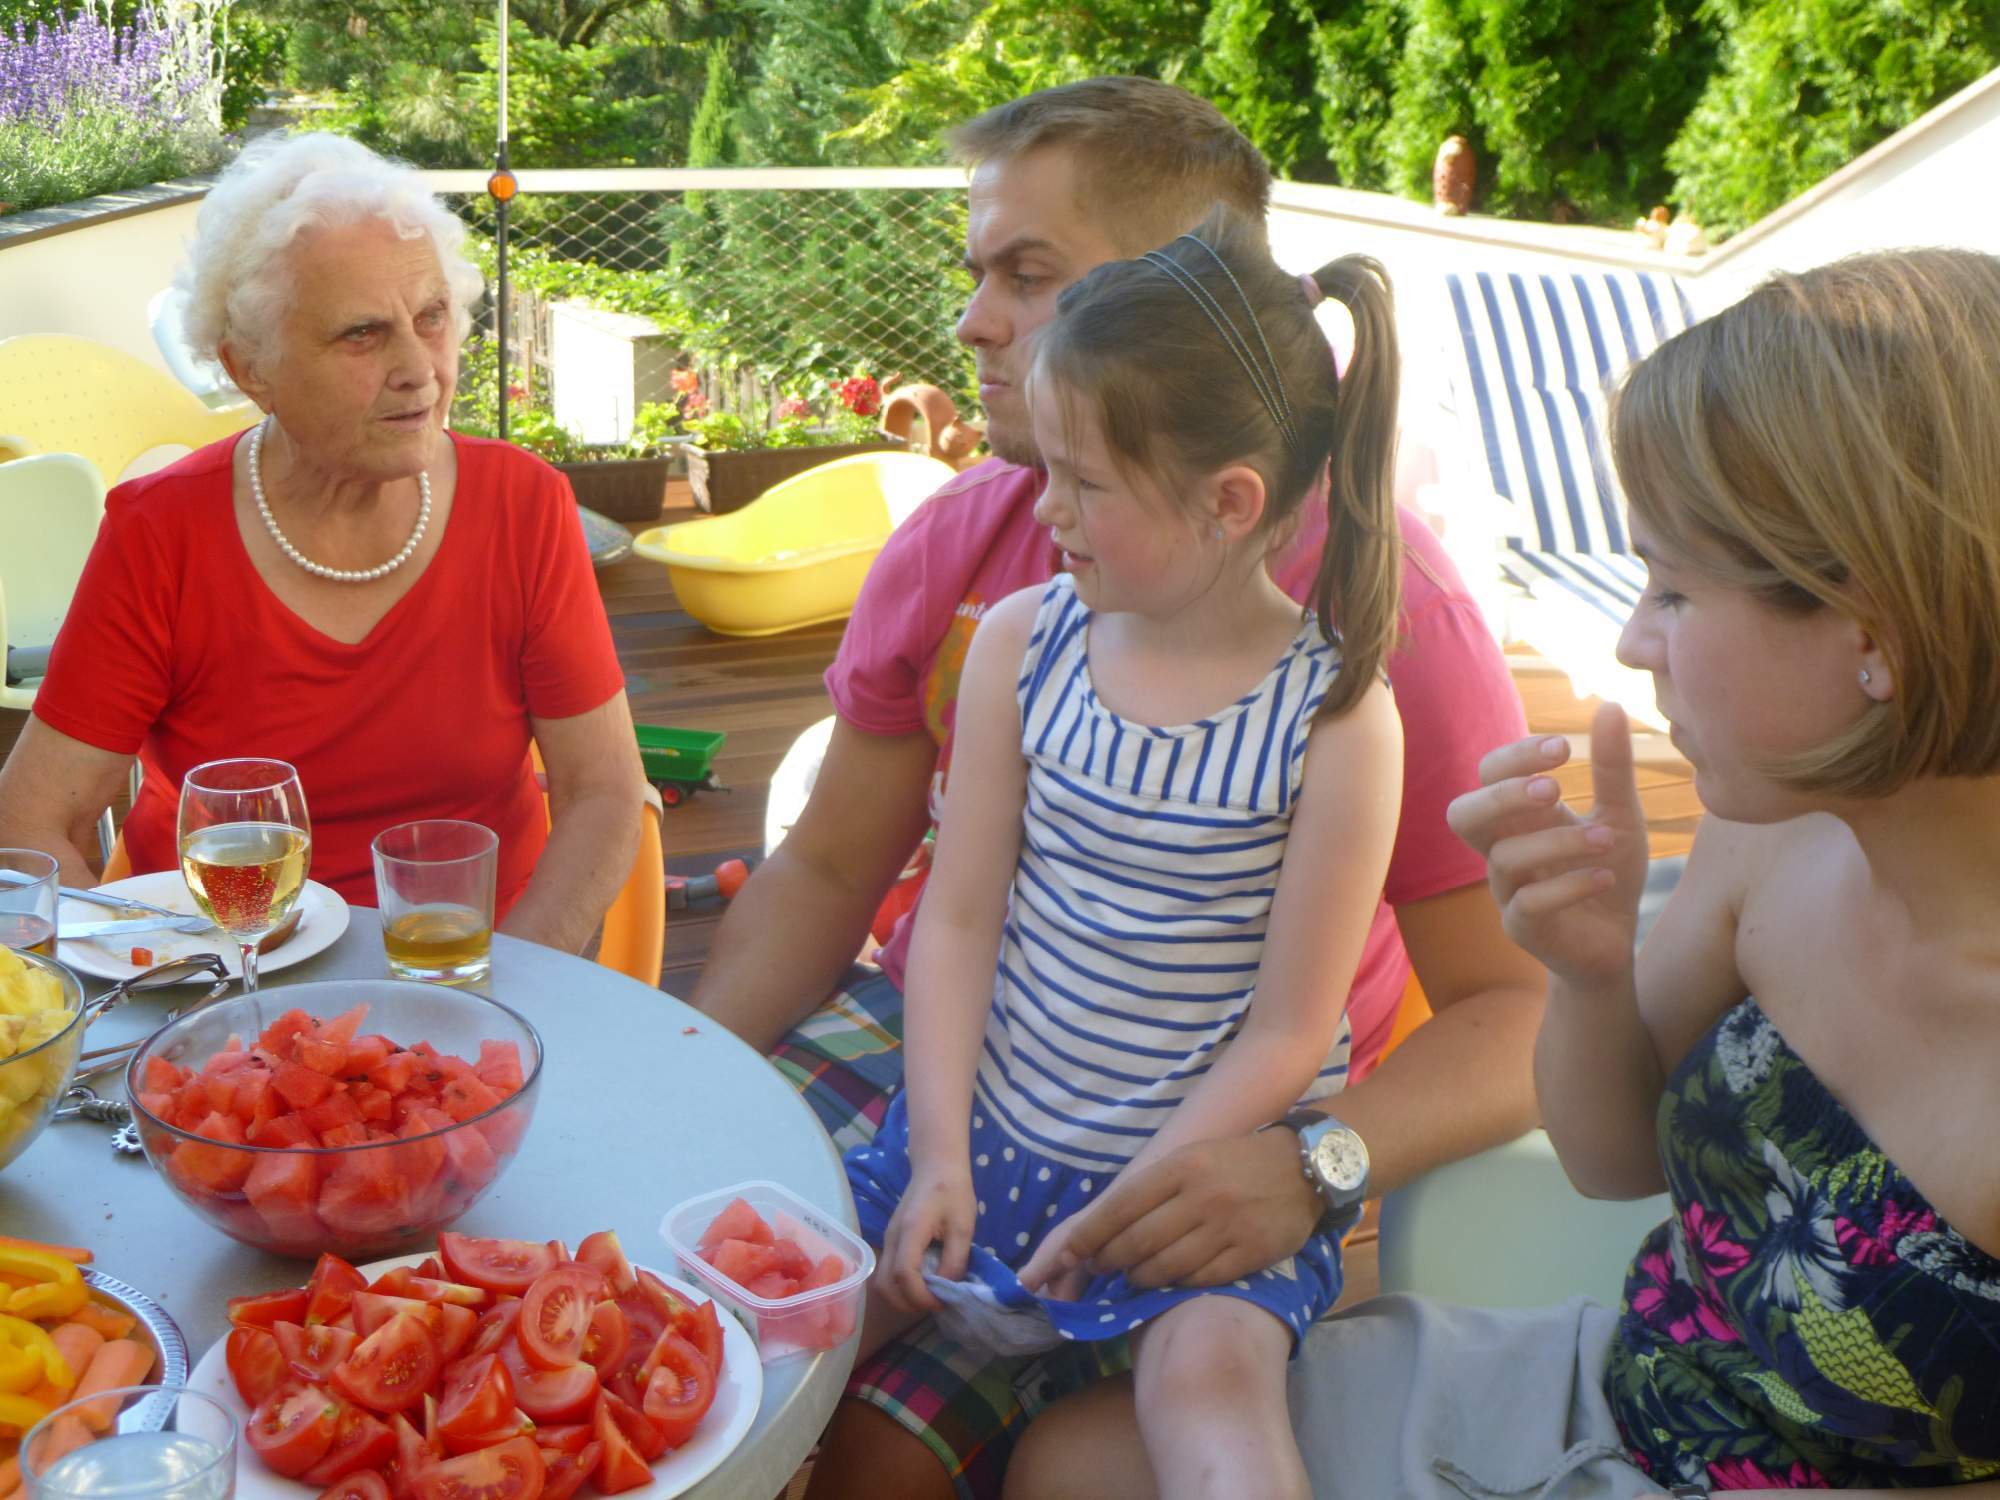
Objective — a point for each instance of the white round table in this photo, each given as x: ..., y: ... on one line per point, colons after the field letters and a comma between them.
x: 645, y: 1102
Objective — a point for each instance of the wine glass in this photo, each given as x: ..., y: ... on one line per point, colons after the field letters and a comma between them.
x: 245, y: 845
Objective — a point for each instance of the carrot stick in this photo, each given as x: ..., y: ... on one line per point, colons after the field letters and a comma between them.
x: 65, y: 1435
x: 78, y: 1344
x: 68, y: 1252
x: 113, y: 1325
x: 118, y: 1362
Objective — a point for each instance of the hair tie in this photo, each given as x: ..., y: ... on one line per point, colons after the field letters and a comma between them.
x: 1314, y: 294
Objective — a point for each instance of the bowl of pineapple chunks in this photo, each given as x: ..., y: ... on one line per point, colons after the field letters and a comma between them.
x: 41, y: 1028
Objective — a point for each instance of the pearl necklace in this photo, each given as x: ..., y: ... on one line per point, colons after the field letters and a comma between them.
x: 338, y: 575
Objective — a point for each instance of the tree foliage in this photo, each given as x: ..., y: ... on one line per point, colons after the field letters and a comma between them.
x: 1802, y: 88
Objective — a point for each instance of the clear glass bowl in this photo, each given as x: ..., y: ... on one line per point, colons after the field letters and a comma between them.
x: 377, y: 1198
x: 32, y: 1082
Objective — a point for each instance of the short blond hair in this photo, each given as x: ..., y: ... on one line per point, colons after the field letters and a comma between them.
x: 1833, y: 442
x: 1152, y: 159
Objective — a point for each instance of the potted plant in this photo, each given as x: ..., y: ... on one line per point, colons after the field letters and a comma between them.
x: 628, y: 481
x: 732, y: 461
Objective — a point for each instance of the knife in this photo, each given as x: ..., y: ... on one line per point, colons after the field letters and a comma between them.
x: 78, y: 931
x: 95, y: 898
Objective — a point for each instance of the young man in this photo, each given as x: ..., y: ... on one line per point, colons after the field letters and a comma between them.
x: 1062, y: 181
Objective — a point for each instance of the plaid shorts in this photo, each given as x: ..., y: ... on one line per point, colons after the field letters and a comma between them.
x: 967, y: 1407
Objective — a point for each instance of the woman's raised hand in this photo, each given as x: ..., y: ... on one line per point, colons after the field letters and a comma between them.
x: 937, y: 1209
x: 1567, y: 886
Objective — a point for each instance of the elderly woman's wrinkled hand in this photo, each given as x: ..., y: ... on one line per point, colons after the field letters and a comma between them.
x: 1567, y: 885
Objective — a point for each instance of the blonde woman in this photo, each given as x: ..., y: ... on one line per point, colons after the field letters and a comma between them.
x: 1805, y: 1053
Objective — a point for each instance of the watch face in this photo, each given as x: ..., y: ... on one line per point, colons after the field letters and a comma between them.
x: 1340, y: 1159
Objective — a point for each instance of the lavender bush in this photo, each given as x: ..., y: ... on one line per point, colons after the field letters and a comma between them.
x: 87, y: 107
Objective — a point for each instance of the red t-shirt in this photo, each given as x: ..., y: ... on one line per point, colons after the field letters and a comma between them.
x: 976, y: 541
x: 175, y: 649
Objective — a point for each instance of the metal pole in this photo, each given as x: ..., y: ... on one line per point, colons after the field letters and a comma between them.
x: 501, y: 186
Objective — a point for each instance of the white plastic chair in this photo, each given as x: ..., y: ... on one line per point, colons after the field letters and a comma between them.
x: 167, y: 313
x: 1506, y: 1229
x: 1532, y: 361
x: 50, y: 507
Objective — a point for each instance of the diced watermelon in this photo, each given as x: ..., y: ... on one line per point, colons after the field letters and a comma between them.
x: 792, y: 1261
x: 249, y: 1089
x: 162, y: 1077
x: 301, y: 1086
x: 283, y: 1130
x: 829, y: 1269
x: 499, y: 1066
x: 282, y: 1187
x: 737, y: 1221
x: 367, y: 1052
x: 773, y: 1286
x: 323, y: 1055
x: 742, y: 1261
x: 337, y: 1108
x: 372, y: 1102
x: 216, y: 1168
x: 393, y: 1074
x: 277, y: 1037
x: 462, y: 1098
x: 354, y: 1133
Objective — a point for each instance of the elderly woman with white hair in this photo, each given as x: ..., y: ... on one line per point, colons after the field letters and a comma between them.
x: 395, y: 609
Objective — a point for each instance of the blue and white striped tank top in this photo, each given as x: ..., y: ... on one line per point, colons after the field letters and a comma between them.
x: 1149, y: 860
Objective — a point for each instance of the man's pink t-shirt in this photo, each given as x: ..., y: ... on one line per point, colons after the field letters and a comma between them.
x: 976, y: 541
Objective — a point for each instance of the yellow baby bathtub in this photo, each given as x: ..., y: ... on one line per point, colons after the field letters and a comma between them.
x: 796, y: 555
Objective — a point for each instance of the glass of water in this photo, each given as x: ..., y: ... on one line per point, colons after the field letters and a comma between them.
x: 142, y: 1442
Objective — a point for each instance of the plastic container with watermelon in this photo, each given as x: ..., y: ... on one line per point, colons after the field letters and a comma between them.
x: 795, y: 1301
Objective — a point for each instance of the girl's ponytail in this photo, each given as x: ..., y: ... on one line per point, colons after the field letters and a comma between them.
x: 1360, y: 571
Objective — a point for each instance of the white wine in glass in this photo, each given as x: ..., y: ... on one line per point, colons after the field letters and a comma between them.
x: 246, y: 844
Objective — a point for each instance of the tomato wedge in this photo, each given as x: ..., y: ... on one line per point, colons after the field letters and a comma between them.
x: 603, y: 1251
x: 364, y: 1484
x: 496, y: 1327
x: 566, y: 1472
x: 512, y: 1470
x: 555, y: 1315
x: 256, y: 1364
x: 288, y: 1306
x: 681, y: 1391
x: 478, y: 1395
x: 620, y: 1467
x: 292, y: 1429
x: 608, y: 1339
x: 564, y: 1395
x: 504, y: 1266
x: 359, y: 1442
x: 313, y: 1352
x: 639, y: 1429
x: 413, y: 1456
x: 333, y: 1285
x: 392, y: 1368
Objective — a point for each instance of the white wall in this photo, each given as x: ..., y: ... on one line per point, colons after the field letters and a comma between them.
x: 95, y: 281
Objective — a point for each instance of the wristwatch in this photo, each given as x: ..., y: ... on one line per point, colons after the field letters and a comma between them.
x: 1335, y: 1161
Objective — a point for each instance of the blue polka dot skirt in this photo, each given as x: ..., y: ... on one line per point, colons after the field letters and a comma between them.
x: 1022, y: 1195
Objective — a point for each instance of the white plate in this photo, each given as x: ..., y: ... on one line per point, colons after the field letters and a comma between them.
x: 737, y: 1395
x: 322, y: 919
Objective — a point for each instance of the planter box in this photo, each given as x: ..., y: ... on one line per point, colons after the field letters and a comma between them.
x: 628, y: 489
x: 728, y: 479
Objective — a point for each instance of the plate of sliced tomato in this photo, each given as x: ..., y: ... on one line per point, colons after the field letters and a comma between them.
x: 494, y: 1370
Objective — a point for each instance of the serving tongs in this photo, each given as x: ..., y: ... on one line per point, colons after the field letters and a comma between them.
x: 81, y: 1102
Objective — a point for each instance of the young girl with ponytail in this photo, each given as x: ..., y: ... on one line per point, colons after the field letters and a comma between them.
x: 1172, y: 805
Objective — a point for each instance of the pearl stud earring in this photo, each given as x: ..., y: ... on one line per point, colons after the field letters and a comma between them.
x: 1864, y: 677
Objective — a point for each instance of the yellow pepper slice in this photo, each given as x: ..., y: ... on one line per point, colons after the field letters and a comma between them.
x: 18, y: 1413
x: 40, y: 1348
x: 55, y: 1288
x: 38, y: 1265
x: 20, y: 1369
x: 48, y: 1300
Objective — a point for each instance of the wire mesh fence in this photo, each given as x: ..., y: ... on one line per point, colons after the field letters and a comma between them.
x: 634, y: 313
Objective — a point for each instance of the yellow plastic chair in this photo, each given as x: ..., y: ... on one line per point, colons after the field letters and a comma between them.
x: 796, y: 555
x: 60, y: 394
x: 634, y: 939
x: 50, y: 507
